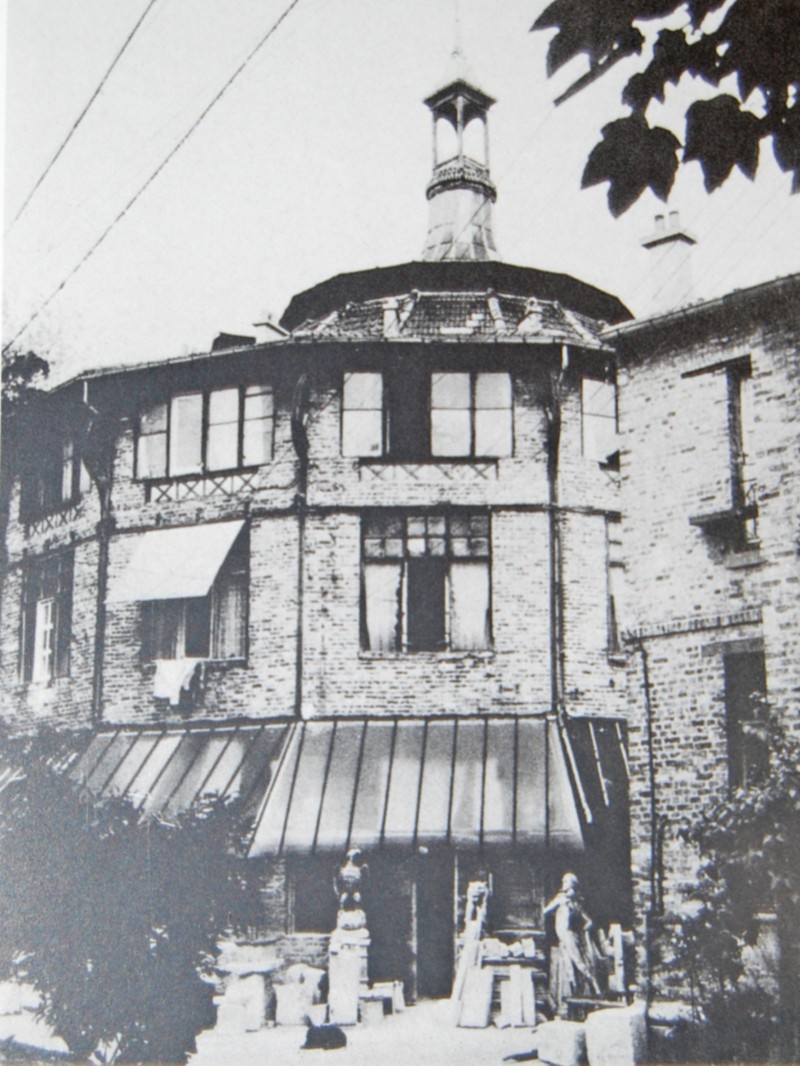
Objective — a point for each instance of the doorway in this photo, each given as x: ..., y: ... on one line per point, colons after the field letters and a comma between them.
x: 434, y: 924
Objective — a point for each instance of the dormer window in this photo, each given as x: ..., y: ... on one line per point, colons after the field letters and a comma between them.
x: 204, y: 432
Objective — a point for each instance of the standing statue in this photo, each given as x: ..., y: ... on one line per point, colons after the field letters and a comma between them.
x: 574, y: 959
x: 348, y: 883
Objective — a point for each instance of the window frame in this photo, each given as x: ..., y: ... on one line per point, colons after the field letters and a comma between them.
x: 46, y: 580
x: 406, y: 559
x: 473, y: 410
x: 245, y: 391
x: 61, y: 468
x: 234, y: 571
x: 402, y: 450
x: 611, y: 460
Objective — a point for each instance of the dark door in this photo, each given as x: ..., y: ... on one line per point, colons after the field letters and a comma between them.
x: 745, y: 683
x: 434, y: 925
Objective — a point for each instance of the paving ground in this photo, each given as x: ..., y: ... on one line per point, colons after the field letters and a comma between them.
x: 423, y: 1035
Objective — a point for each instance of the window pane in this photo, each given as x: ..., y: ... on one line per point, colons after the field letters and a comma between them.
x: 493, y: 391
x: 223, y: 446
x: 450, y: 432
x: 151, y: 456
x: 493, y: 432
x: 258, y: 401
x: 599, y: 398
x: 257, y: 442
x: 223, y: 406
x: 363, y: 392
x: 469, y: 606
x: 362, y: 433
x: 198, y: 624
x: 425, y: 603
x: 44, y: 640
x: 164, y: 628
x: 382, y: 605
x: 67, y: 466
x: 185, y: 441
x: 599, y: 437
x: 230, y: 618
x: 154, y: 420
x: 450, y: 391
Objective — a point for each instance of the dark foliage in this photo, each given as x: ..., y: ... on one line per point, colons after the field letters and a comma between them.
x: 114, y: 918
x: 755, y: 41
x: 750, y: 850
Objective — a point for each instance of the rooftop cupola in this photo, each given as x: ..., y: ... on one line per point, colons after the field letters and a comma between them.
x: 460, y: 191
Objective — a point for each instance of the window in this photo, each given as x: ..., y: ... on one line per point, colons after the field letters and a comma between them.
x: 745, y: 689
x: 615, y: 575
x: 471, y: 415
x: 426, y: 582
x: 206, y: 627
x: 60, y: 480
x: 199, y: 432
x: 362, y: 415
x: 599, y: 420
x: 47, y: 618
x: 412, y: 415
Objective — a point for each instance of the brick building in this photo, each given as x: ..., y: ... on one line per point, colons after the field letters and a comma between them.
x: 367, y: 576
x: 708, y: 408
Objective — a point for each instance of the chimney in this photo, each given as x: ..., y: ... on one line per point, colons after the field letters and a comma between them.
x: 670, y: 247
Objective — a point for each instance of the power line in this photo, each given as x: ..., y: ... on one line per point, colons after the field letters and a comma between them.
x: 170, y: 155
x: 82, y: 115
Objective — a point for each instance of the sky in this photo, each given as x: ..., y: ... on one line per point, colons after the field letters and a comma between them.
x: 314, y: 162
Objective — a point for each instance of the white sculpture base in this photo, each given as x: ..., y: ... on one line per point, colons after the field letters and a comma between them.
x: 347, y: 974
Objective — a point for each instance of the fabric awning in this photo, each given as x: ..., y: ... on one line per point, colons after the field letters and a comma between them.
x: 164, y: 771
x: 379, y: 781
x: 174, y: 564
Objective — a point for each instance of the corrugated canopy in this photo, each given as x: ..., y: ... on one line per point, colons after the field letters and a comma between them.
x: 371, y: 782
x: 164, y: 771
x: 175, y: 564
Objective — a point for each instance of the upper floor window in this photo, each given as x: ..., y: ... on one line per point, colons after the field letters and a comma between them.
x: 60, y: 480
x: 471, y: 415
x: 615, y: 576
x: 426, y: 582
x: 413, y: 416
x: 202, y: 627
x: 599, y: 420
x: 47, y: 618
x: 201, y: 432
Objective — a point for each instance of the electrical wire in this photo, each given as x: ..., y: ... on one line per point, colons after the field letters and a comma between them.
x: 167, y: 159
x: 83, y: 113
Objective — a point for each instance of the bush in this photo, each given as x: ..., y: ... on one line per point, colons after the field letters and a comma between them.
x: 113, y: 917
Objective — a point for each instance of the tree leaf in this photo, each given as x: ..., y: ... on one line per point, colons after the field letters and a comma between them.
x: 632, y: 157
x: 720, y: 135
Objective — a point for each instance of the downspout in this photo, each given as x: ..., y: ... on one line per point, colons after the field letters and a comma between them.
x: 556, y: 592
x: 655, y: 887
x: 97, y: 457
x: 300, y: 442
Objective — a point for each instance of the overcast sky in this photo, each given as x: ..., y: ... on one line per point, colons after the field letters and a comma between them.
x: 314, y: 162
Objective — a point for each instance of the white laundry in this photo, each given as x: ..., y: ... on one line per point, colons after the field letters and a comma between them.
x: 172, y: 677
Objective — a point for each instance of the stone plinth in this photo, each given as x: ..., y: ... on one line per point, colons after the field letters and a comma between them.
x: 347, y: 974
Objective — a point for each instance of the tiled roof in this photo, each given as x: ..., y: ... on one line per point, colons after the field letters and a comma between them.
x: 454, y: 316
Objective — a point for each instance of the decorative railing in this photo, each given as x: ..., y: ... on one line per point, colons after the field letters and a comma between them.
x: 56, y: 520
x: 200, y: 488
x: 427, y: 472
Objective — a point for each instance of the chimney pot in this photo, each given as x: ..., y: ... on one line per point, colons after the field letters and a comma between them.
x: 659, y: 223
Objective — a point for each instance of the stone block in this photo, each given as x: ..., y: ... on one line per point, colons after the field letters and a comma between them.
x: 617, y: 1036
x: 562, y: 1043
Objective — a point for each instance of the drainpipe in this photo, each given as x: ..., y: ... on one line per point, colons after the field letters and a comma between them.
x: 553, y: 413
x: 97, y: 456
x: 300, y: 442
x: 656, y: 830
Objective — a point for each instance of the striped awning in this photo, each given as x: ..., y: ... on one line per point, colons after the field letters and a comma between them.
x: 370, y: 782
x: 165, y: 770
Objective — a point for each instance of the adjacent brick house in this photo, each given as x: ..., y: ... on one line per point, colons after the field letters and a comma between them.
x: 708, y: 407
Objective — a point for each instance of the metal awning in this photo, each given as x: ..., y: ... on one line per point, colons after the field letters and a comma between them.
x: 174, y: 564
x: 164, y: 771
x: 370, y: 782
